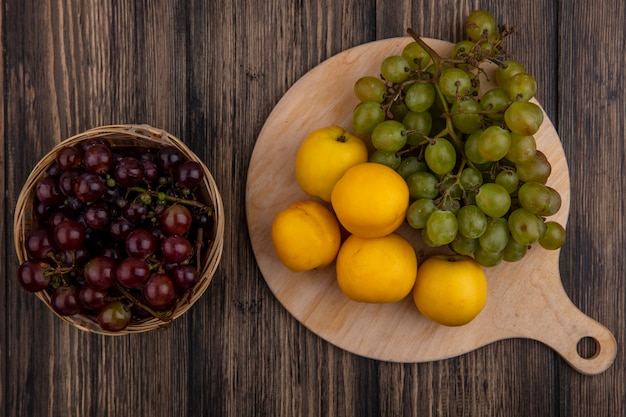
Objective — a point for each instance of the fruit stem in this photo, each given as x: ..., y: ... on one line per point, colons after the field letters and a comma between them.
x: 163, y: 196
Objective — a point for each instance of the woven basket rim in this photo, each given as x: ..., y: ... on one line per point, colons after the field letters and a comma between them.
x: 136, y: 135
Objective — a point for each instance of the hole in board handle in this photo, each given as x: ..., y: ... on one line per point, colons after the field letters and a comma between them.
x: 588, y: 347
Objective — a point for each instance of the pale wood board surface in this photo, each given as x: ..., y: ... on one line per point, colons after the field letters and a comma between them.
x: 526, y: 298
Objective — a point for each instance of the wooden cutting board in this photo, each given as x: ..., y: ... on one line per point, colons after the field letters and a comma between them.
x: 526, y: 299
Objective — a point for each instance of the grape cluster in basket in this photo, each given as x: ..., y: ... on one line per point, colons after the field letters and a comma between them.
x: 118, y: 232
x: 476, y: 178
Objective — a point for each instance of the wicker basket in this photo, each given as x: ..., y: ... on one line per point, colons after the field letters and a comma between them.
x: 123, y: 136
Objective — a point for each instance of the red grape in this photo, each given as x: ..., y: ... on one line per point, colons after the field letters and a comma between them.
x: 176, y: 248
x: 69, y: 158
x: 114, y: 317
x: 140, y: 244
x: 67, y: 180
x: 69, y: 234
x: 185, y: 276
x: 66, y: 301
x: 98, y: 159
x: 168, y: 158
x: 100, y: 272
x: 48, y: 191
x: 32, y: 277
x: 92, y: 298
x: 89, y: 187
x: 120, y: 228
x: 128, y: 172
x: 176, y: 220
x: 132, y: 272
x: 97, y: 216
x: 39, y: 243
x: 159, y: 290
x: 189, y: 174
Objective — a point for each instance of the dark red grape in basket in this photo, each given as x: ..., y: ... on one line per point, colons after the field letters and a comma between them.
x: 98, y: 159
x: 120, y: 228
x: 185, y: 276
x: 135, y: 211
x: 140, y: 244
x: 39, y: 243
x: 89, y: 187
x: 189, y: 174
x: 176, y: 220
x: 32, y: 277
x: 48, y: 190
x: 168, y: 158
x: 114, y: 316
x: 57, y: 216
x: 97, y: 216
x: 67, y: 180
x: 132, y: 272
x: 128, y: 172
x: 176, y: 248
x: 159, y: 290
x: 92, y: 298
x: 150, y: 171
x: 68, y: 158
x: 66, y: 301
x: 69, y: 234
x: 100, y: 272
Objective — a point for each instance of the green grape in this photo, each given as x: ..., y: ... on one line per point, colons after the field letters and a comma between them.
x: 420, y: 122
x: 495, y: 101
x: 422, y: 185
x: 454, y: 82
x: 366, y: 116
x: 534, y: 197
x: 394, y: 69
x: 555, y: 203
x: 463, y: 245
x: 416, y: 56
x: 472, y: 222
x: 398, y: 109
x: 451, y: 186
x: 494, y: 143
x: 388, y: 136
x: 480, y: 24
x: 390, y: 159
x: 493, y: 200
x: 506, y: 70
x: 514, y: 251
x: 508, y: 179
x: 451, y: 204
x: 410, y: 165
x: 523, y: 117
x: 486, y: 48
x: 461, y: 49
x: 537, y: 169
x: 521, y: 87
x: 419, y: 97
x: 470, y: 178
x: 441, y: 227
x: 465, y: 115
x: 440, y: 156
x: 427, y: 240
x: 523, y: 148
x: 370, y: 89
x: 496, y: 235
x: 526, y: 227
x: 554, y: 236
x: 471, y: 148
x: 419, y: 211
x: 486, y: 258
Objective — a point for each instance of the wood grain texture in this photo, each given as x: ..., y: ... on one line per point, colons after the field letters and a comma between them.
x: 210, y: 73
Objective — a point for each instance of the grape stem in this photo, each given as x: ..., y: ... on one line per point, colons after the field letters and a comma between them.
x: 163, y: 196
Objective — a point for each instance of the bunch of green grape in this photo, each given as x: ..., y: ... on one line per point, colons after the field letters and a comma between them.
x: 476, y: 179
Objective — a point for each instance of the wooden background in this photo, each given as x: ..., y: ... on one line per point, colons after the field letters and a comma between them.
x: 210, y: 73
